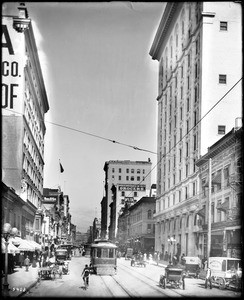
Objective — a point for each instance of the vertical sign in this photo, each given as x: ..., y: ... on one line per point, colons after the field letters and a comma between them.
x: 13, y: 62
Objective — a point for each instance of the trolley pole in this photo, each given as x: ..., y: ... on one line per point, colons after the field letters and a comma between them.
x: 209, y: 207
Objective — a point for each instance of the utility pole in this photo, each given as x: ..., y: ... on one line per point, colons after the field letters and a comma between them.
x: 209, y: 207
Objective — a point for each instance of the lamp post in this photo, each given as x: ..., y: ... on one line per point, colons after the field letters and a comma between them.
x: 171, y: 240
x: 7, y: 231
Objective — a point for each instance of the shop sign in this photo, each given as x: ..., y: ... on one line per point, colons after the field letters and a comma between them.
x: 137, y: 188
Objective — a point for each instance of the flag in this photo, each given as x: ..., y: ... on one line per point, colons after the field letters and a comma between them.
x: 61, y: 168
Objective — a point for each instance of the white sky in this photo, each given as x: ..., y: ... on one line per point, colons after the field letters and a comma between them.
x: 99, y: 79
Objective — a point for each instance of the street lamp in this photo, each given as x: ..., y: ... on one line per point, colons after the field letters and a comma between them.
x: 171, y: 240
x: 7, y: 231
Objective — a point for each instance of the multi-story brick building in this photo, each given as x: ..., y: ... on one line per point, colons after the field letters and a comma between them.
x: 137, y: 226
x: 125, y: 182
x: 199, y: 49
x: 24, y: 104
x: 224, y: 161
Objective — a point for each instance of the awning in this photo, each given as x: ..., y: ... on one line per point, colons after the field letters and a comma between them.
x: 36, y: 245
x: 24, y: 245
x: 224, y: 206
x: 11, y: 247
x: 201, y: 212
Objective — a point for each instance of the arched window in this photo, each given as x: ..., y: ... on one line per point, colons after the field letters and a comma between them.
x: 149, y: 214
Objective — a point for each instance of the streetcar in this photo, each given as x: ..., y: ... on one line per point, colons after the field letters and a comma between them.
x: 103, y: 257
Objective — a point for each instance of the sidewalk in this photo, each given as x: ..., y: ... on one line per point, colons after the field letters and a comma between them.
x: 21, y: 281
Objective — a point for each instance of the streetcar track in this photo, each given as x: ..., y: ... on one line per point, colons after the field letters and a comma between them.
x: 154, y: 281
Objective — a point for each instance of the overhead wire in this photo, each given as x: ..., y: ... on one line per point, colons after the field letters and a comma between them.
x: 137, y: 148
x: 164, y: 155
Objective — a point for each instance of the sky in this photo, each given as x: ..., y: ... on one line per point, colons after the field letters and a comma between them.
x: 102, y: 86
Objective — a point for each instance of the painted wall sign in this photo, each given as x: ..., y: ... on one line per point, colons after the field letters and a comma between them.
x: 13, y: 62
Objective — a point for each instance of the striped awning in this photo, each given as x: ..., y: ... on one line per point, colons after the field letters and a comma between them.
x: 24, y: 245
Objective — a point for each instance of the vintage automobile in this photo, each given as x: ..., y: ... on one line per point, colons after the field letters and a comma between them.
x: 193, y: 266
x: 174, y: 276
x: 226, y: 272
x: 61, y: 255
x: 138, y: 260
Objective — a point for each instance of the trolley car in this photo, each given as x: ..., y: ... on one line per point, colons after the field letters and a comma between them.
x: 104, y: 257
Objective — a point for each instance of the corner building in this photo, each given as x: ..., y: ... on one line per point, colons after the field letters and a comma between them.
x: 125, y: 182
x: 199, y: 49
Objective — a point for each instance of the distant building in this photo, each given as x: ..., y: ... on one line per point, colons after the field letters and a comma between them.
x: 199, y: 49
x: 137, y: 227
x: 125, y: 182
x: 24, y: 104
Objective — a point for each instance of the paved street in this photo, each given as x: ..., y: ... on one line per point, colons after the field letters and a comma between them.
x: 128, y: 282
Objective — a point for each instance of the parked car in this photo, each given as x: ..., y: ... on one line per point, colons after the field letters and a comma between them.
x: 192, y: 266
x: 61, y: 255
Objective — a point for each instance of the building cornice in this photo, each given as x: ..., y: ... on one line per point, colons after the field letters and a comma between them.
x: 228, y: 140
x: 30, y: 40
x: 162, y: 29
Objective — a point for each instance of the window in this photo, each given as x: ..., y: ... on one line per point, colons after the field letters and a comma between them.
x: 186, y: 191
x: 132, y: 170
x: 138, y: 171
x: 222, y: 78
x: 179, y: 196
x: 212, y: 213
x: 194, y: 188
x: 187, y: 104
x: 194, y: 141
x: 149, y: 227
x: 219, y: 211
x: 223, y: 26
x: 132, y: 178
x: 127, y: 170
x: 119, y: 177
x: 187, y: 221
x: 112, y: 170
x: 127, y: 177
x: 221, y: 129
x: 122, y: 193
x: 149, y: 214
x: 138, y: 178
x: 135, y: 194
x: 119, y: 170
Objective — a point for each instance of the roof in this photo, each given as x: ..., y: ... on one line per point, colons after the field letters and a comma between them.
x: 143, y: 200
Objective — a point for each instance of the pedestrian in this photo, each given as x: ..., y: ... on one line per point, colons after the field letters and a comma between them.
x: 85, y: 273
x: 208, y: 279
x: 27, y: 263
x: 21, y: 259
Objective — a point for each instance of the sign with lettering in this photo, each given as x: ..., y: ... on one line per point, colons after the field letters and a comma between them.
x: 13, y: 62
x: 136, y: 188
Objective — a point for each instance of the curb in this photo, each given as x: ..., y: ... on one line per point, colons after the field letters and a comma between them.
x: 28, y: 288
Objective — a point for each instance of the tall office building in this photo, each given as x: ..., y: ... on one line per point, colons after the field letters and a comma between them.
x: 199, y: 49
x: 125, y: 182
x: 24, y: 104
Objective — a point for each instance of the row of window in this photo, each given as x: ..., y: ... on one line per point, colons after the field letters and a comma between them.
x: 138, y: 171
x: 130, y: 178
